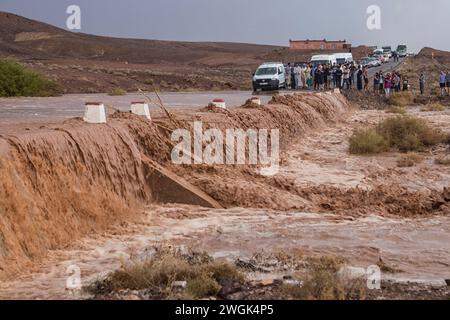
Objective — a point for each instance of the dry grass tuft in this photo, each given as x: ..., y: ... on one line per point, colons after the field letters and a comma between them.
x: 397, y: 110
x: 204, y: 276
x: 409, y: 159
x: 323, y: 282
x: 443, y: 161
x: 117, y: 92
x: 401, y: 99
x: 434, y: 106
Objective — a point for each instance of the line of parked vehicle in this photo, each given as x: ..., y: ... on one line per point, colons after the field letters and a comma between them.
x: 384, y: 55
x: 272, y: 75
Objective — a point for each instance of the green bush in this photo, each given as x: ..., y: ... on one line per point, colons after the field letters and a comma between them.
x: 367, y: 141
x: 202, y: 286
x: 404, y: 133
x: 408, y: 133
x: 16, y: 80
x: 117, y: 92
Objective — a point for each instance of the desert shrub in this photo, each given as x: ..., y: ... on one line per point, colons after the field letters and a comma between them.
x: 408, y: 133
x: 443, y: 161
x: 323, y: 282
x: 404, y: 133
x: 434, y: 106
x: 222, y: 272
x: 203, y: 275
x: 16, y: 80
x: 117, y: 92
x: 396, y: 109
x: 367, y: 141
x: 401, y: 99
x: 202, y: 286
x: 409, y: 160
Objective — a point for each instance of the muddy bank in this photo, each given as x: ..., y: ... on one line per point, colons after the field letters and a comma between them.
x: 63, y: 181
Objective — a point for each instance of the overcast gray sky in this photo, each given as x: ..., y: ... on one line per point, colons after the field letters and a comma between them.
x: 418, y: 23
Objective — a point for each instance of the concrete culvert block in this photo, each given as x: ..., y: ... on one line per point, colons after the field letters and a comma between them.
x: 141, y: 109
x: 256, y: 100
x: 94, y: 112
x: 219, y: 103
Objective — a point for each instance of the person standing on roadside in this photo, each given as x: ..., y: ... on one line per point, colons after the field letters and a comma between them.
x: 298, y: 80
x: 422, y: 83
x: 287, y: 70
x: 366, y: 78
x: 326, y: 75
x: 395, y: 54
x: 351, y: 79
x: 376, y: 83
x: 443, y: 82
x: 396, y: 80
x: 359, y: 79
x: 346, y: 75
x: 307, y: 76
x: 388, y: 85
x: 381, y: 84
x: 448, y: 82
x: 293, y: 78
x: 338, y: 76
x: 405, y: 83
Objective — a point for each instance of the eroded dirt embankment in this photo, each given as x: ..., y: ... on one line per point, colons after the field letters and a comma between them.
x: 61, y: 182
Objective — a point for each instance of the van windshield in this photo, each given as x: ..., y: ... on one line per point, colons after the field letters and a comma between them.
x: 266, y: 71
x: 341, y: 60
x: 317, y: 62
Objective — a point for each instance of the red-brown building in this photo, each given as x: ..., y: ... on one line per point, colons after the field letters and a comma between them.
x: 319, y: 45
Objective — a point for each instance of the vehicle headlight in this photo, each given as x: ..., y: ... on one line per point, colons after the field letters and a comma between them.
x: 274, y: 78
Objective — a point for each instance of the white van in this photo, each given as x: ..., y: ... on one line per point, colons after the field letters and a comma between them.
x: 323, y: 59
x: 270, y: 76
x: 343, y: 58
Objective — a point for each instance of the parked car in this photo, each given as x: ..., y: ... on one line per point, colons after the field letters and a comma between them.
x: 374, y: 62
x: 364, y: 62
x: 269, y: 76
x: 379, y: 54
x: 387, y: 50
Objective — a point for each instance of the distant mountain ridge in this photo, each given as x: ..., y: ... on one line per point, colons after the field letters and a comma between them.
x: 28, y: 38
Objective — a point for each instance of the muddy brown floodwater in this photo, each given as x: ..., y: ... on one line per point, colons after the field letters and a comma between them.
x: 419, y: 248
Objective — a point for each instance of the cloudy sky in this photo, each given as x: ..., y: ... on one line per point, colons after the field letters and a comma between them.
x: 418, y: 23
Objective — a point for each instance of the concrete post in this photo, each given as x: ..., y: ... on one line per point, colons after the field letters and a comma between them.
x: 94, y: 112
x: 219, y: 103
x: 141, y: 109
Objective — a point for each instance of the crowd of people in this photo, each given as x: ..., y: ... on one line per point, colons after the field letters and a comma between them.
x: 390, y: 82
x: 350, y: 75
x: 325, y: 77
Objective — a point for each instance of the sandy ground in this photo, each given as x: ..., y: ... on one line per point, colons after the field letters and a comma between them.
x: 419, y: 248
